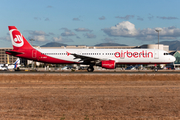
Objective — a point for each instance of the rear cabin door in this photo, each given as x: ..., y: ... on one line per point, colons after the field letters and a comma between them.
x: 34, y: 54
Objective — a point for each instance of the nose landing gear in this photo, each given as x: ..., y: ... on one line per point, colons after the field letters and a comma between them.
x: 155, y: 68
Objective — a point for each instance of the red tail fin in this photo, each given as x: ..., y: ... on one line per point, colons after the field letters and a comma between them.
x: 18, y: 40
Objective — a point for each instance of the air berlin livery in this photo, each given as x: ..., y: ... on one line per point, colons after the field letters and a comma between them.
x: 105, y: 58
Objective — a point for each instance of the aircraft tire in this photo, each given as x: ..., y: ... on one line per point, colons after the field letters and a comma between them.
x: 155, y: 69
x: 90, y: 69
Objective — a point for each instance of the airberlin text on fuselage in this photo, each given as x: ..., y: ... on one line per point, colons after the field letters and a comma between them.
x: 143, y: 54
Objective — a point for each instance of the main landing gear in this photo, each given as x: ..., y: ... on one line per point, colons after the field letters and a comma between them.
x: 90, y: 69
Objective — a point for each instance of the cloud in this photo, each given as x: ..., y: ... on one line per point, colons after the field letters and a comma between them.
x: 127, y: 17
x: 76, y: 19
x: 67, y: 32
x: 123, y: 29
x: 47, y: 19
x: 31, y: 32
x: 40, y: 38
x: 167, y: 18
x: 127, y: 29
x: 102, y: 18
x: 51, y: 33
x: 150, y: 17
x: 82, y: 30
x: 49, y: 6
x: 78, y: 37
x: 7, y: 38
x: 38, y: 18
x: 60, y: 39
x: 88, y: 35
x: 57, y: 39
x: 139, y: 18
x: 65, y: 29
x: 165, y: 33
x: 37, y: 35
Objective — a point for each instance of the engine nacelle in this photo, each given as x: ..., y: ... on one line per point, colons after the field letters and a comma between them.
x: 108, y: 64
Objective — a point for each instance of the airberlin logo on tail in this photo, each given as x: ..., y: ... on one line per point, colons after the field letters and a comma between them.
x: 17, y: 38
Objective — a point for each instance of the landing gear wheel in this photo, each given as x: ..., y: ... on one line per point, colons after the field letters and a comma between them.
x: 90, y: 69
x: 155, y: 69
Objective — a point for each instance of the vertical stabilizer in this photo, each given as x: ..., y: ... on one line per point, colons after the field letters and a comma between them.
x: 17, y: 39
x: 17, y: 62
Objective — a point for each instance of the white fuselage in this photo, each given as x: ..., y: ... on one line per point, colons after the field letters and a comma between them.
x: 120, y: 56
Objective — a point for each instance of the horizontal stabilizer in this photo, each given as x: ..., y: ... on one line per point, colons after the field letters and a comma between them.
x: 13, y: 52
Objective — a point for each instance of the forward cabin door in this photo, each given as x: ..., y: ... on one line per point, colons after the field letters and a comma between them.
x: 156, y: 54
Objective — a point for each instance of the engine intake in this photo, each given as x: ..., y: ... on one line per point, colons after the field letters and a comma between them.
x: 108, y: 64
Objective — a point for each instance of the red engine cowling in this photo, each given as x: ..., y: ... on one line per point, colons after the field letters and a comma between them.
x: 108, y: 64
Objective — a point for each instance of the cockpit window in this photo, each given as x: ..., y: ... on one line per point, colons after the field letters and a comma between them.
x: 166, y: 53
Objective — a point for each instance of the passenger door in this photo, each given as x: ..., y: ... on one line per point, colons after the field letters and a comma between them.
x: 34, y: 52
x: 156, y: 54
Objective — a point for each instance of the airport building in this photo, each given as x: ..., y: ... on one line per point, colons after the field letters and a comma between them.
x: 176, y: 54
x: 7, y: 59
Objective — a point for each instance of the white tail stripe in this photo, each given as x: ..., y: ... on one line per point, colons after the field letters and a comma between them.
x: 18, y: 40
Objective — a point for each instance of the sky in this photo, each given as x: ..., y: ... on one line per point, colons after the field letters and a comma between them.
x: 90, y: 22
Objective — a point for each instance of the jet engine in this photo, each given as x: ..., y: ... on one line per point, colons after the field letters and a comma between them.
x: 108, y: 64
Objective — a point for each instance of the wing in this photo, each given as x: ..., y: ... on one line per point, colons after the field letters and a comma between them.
x: 84, y: 59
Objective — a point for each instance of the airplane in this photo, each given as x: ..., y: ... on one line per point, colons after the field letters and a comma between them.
x: 15, y: 65
x: 105, y: 58
x: 3, y: 68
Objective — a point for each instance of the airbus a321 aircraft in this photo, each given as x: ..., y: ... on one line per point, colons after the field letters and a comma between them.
x: 105, y: 58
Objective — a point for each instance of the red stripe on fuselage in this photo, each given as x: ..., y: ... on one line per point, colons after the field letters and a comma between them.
x: 143, y: 63
x: 35, y: 55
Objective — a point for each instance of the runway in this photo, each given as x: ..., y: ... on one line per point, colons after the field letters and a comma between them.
x: 92, y: 73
